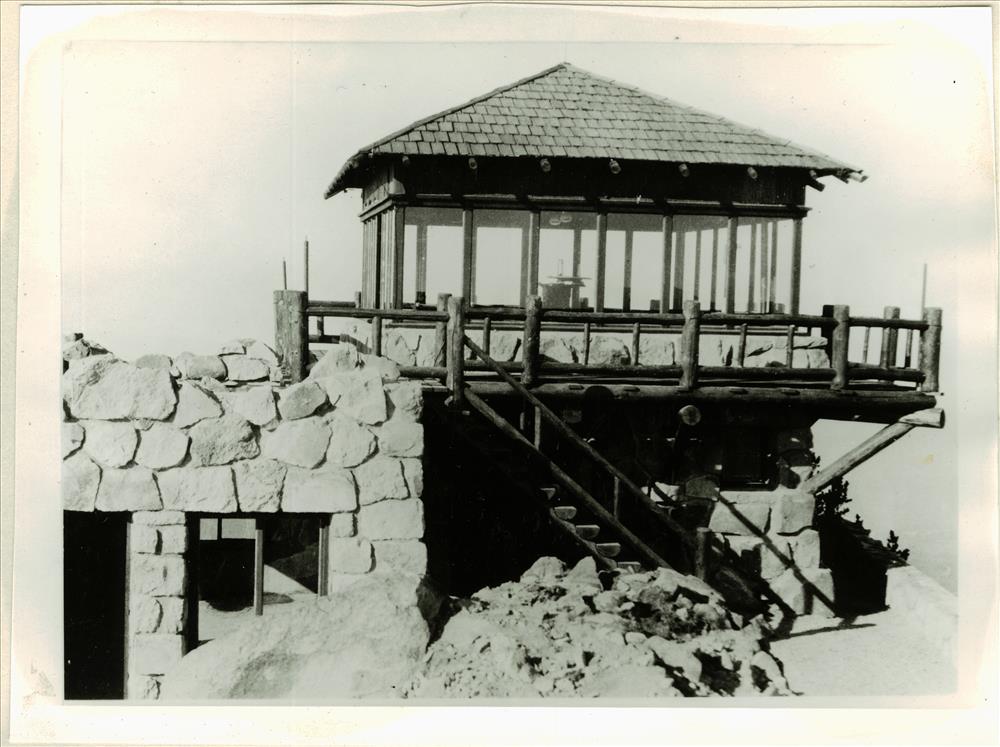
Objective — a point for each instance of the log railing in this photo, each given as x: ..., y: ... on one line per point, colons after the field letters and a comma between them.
x: 850, y: 344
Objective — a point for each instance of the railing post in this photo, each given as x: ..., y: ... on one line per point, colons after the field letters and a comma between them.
x: 441, y: 332
x: 376, y: 335
x: 532, y: 340
x: 291, y: 331
x: 702, y: 535
x: 689, y: 344
x: 930, y: 350
x: 840, y: 342
x: 455, y: 348
x: 890, y: 338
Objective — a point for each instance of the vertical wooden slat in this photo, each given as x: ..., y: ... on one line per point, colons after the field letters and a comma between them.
x: 889, y: 339
x: 532, y: 340
x: 668, y: 241
x: 376, y: 335
x: 421, y: 279
x: 586, y: 343
x: 731, y: 266
x: 908, y: 350
x: 456, y: 347
x: 538, y: 420
x: 627, y: 273
x: 534, y: 252
x: 930, y: 349
x: 258, y: 567
x: 525, y: 262
x: 468, y: 255
x: 577, y: 257
x: 701, y: 554
x: 772, y: 284
x: 284, y: 274
x: 751, y: 276
x: 697, y: 265
x: 636, y: 332
x: 790, y: 345
x: 864, y: 347
x: 323, y: 571
x: 741, y: 346
x: 714, y: 283
x: 398, y: 236
x: 840, y: 345
x: 487, y: 334
x: 679, y: 270
x: 441, y: 332
x: 305, y: 267
x: 616, y: 498
x: 601, y: 261
x: 765, y: 306
x: 796, y: 281
x: 689, y: 344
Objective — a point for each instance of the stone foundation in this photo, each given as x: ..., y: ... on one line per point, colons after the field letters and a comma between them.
x: 169, y: 439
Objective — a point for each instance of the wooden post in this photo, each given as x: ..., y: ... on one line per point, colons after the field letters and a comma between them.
x: 455, y: 349
x: 616, y: 498
x: 890, y: 337
x: 487, y: 333
x: 714, y: 286
x: 441, y: 332
x: 689, y: 345
x: 741, y: 346
x: 377, y: 335
x: 764, y: 290
x: 864, y: 347
x: 668, y: 239
x: 258, y: 567
x: 790, y: 346
x: 534, y: 254
x: 859, y: 454
x: 697, y: 266
x: 734, y: 224
x: 323, y: 572
x: 537, y: 440
x: 840, y: 345
x: 702, y: 536
x: 468, y: 255
x: 421, y: 259
x: 291, y: 331
x: 574, y: 294
x: 679, y: 271
x: 284, y: 274
x: 752, y: 277
x: 796, y: 281
x: 305, y: 268
x: 602, y: 256
x: 398, y: 242
x: 586, y: 343
x: 627, y: 274
x: 532, y: 340
x: 357, y: 299
x: 930, y: 350
x: 636, y: 332
x: 772, y: 283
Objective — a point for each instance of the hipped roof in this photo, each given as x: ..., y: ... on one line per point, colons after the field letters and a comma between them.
x: 568, y: 112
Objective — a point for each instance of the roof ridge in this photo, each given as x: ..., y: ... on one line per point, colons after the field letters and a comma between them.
x: 465, y: 105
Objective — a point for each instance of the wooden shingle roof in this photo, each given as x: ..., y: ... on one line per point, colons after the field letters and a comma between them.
x: 568, y: 112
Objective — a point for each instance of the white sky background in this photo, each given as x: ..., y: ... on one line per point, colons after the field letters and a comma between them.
x: 193, y: 164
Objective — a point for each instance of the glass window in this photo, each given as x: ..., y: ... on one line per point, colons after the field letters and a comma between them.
x: 698, y: 261
x: 432, y: 253
x: 634, y: 261
x: 501, y: 238
x: 763, y: 264
x: 567, y: 252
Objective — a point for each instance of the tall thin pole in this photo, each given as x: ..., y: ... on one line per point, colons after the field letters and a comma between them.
x: 284, y: 274
x: 923, y: 291
x: 305, y: 268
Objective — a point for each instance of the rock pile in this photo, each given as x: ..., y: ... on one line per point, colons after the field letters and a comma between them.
x: 560, y: 633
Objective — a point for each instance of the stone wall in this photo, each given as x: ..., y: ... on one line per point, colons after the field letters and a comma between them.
x: 163, y: 438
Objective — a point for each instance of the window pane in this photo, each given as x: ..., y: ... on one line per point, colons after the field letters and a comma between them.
x: 699, y: 254
x: 437, y: 234
x: 500, y: 238
x: 566, y: 255
x: 642, y: 236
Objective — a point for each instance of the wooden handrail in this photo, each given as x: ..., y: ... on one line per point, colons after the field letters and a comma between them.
x: 574, y: 438
x: 569, y: 483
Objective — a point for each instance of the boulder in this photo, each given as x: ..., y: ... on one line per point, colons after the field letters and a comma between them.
x: 387, y: 369
x: 392, y: 520
x: 396, y: 349
x: 102, y: 388
x: 338, y: 359
x: 255, y: 404
x: 324, y: 491
x: 194, y: 404
x: 222, y: 440
x: 233, y: 347
x: 72, y: 438
x: 259, y: 484
x: 584, y: 573
x: 350, y: 443
x: 656, y: 350
x: 363, y: 641
x: 154, y: 360
x: 301, y: 400
x: 132, y: 489
x: 203, y: 489
x: 556, y: 349
x: 161, y: 446
x: 379, y: 479
x: 299, y: 442
x: 358, y: 395
x: 80, y: 481
x: 605, y: 350
x: 406, y: 400
x: 401, y: 439
x: 192, y: 366
x: 243, y: 368
x: 111, y: 444
x: 543, y: 569
x: 261, y: 351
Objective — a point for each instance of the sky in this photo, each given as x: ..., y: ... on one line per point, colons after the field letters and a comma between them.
x: 196, y: 147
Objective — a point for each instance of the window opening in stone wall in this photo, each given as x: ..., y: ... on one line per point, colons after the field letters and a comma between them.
x: 225, y: 567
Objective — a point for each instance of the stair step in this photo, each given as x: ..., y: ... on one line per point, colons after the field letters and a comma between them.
x: 608, y: 549
x: 629, y: 566
x: 549, y: 492
x: 587, y: 531
x: 566, y: 513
